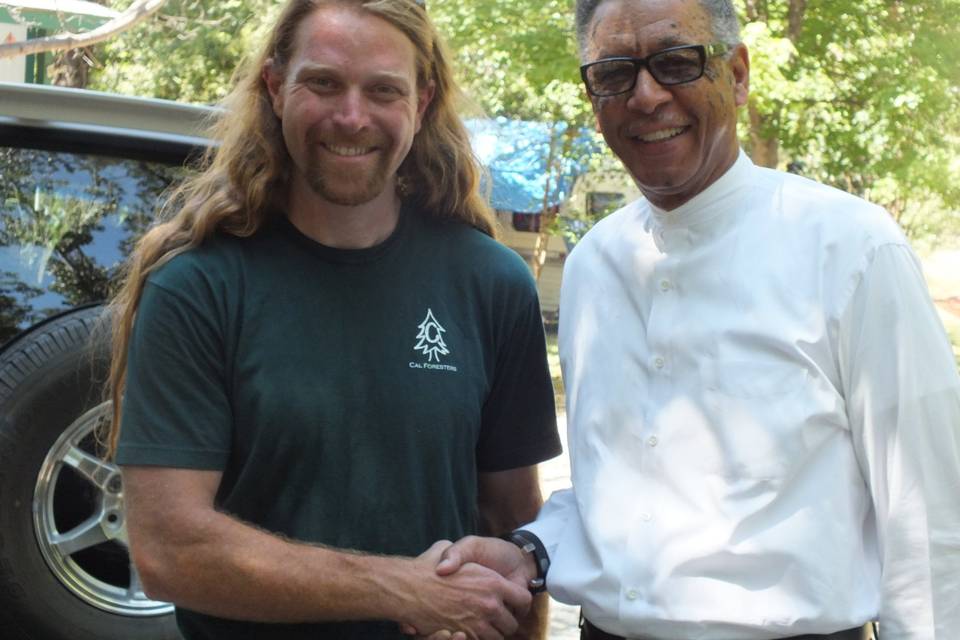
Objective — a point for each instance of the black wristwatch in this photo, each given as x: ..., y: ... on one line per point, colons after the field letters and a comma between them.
x: 530, y: 543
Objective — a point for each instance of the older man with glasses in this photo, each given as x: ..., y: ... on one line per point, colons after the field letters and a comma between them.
x: 763, y: 408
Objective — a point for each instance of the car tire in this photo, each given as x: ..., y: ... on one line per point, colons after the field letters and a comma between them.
x: 64, y: 568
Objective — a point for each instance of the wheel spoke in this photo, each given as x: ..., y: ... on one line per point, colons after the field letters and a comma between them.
x: 87, y: 534
x: 135, y: 591
x: 95, y: 470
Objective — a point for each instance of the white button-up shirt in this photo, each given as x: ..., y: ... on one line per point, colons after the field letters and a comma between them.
x: 763, y: 419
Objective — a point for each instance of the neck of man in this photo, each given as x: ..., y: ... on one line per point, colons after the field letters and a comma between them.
x: 343, y: 226
x: 668, y: 199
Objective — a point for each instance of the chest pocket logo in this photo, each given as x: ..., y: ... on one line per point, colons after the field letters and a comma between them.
x: 430, y: 339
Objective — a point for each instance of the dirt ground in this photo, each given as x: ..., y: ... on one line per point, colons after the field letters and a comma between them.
x: 942, y: 271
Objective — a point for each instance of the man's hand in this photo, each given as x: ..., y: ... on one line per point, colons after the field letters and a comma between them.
x: 468, y: 601
x: 503, y: 557
x: 499, y: 555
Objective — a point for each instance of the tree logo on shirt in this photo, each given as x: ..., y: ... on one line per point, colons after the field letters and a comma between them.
x: 430, y: 339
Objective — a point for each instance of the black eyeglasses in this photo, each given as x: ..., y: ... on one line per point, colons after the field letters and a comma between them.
x: 676, y: 65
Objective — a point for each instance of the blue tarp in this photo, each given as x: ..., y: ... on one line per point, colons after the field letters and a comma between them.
x: 515, y: 153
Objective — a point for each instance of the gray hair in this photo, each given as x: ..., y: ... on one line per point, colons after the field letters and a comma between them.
x: 726, y: 26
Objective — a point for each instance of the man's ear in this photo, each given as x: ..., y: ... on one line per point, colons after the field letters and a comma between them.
x: 274, y: 81
x: 740, y: 66
x: 424, y: 98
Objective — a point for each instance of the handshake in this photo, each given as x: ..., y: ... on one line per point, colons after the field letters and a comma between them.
x: 476, y: 588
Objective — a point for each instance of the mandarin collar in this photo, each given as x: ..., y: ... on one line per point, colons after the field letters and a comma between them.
x: 705, y: 211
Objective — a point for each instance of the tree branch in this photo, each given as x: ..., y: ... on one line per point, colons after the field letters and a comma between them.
x: 135, y: 13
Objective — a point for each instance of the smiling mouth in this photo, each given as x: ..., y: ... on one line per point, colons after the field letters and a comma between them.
x: 661, y: 135
x: 348, y: 152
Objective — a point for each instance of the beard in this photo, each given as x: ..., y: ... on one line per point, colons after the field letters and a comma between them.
x: 349, y: 187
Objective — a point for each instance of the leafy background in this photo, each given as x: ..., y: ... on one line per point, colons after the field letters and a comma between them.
x: 863, y: 95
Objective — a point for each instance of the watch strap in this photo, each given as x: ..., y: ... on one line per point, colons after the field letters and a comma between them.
x: 530, y: 543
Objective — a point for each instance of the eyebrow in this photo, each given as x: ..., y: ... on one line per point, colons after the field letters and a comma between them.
x: 384, y: 75
x: 672, y: 41
x: 662, y: 43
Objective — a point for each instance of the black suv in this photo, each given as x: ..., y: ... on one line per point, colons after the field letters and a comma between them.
x: 80, y: 176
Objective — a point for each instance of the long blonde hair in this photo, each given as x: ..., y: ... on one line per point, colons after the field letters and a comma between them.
x: 242, y: 180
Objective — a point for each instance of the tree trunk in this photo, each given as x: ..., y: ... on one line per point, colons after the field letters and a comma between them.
x: 71, y: 68
x: 756, y: 11
x: 547, y: 219
x: 897, y: 207
x: 764, y: 143
x: 765, y: 150
x: 795, y: 15
x: 548, y: 213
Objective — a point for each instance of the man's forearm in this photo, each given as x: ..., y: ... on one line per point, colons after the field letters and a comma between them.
x: 232, y: 570
x: 227, y: 568
x: 506, y: 501
x: 200, y: 559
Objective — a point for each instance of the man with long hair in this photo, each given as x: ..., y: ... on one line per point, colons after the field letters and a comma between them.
x: 324, y: 366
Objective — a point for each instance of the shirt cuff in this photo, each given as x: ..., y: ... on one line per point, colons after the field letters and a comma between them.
x: 552, y: 520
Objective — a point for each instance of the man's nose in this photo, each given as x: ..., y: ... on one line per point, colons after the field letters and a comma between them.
x: 648, y: 94
x: 352, y: 111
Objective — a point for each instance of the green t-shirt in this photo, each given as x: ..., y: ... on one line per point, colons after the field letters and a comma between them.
x: 348, y: 396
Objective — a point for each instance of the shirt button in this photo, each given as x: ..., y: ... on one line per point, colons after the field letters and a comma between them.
x: 646, y: 517
x: 653, y: 441
x: 658, y: 362
x: 632, y: 594
x: 665, y: 285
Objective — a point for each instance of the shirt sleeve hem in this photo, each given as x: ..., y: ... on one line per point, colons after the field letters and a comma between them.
x: 521, y: 457
x: 177, y: 458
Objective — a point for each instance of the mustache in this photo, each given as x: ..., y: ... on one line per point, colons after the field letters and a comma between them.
x: 344, y: 139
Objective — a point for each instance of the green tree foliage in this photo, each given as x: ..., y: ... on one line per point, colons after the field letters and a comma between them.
x: 188, y: 52
x: 517, y: 58
x: 861, y: 95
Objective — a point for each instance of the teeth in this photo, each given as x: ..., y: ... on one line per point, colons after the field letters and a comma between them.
x: 663, y: 134
x: 349, y: 151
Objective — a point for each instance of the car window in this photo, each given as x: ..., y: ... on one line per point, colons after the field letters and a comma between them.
x: 67, y: 222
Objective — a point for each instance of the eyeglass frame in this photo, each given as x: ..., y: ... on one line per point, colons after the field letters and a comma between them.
x: 706, y: 52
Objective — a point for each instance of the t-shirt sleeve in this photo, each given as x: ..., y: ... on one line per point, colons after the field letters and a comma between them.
x: 519, y: 422
x: 176, y: 411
